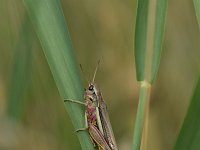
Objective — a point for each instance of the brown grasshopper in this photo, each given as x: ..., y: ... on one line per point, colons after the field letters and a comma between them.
x: 96, y: 117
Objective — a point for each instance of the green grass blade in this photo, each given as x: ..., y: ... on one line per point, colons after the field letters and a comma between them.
x: 20, y: 75
x: 50, y: 26
x: 149, y: 31
x: 197, y: 9
x: 188, y: 138
x: 140, y: 38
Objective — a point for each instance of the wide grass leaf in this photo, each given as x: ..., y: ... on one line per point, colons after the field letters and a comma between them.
x: 48, y: 20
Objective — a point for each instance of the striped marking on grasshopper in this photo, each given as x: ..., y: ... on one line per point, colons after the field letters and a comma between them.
x: 96, y: 117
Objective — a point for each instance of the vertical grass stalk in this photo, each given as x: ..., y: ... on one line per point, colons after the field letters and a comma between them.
x: 149, y: 30
x: 140, y: 131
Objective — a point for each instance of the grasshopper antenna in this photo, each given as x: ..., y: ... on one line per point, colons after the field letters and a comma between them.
x: 96, y: 70
x: 84, y: 74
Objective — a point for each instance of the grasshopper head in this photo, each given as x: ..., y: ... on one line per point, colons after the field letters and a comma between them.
x: 91, y: 94
x: 93, y: 88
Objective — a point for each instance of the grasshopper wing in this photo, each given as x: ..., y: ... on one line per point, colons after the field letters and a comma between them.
x: 104, y: 119
x: 98, y: 137
x: 107, y: 128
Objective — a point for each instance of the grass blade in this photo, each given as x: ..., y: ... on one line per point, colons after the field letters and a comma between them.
x: 140, y: 38
x: 197, y: 9
x: 189, y: 135
x: 149, y: 30
x: 50, y: 26
x: 20, y: 75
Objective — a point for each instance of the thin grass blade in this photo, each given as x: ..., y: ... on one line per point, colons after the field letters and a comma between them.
x: 20, y: 73
x: 149, y: 31
x: 189, y: 134
x: 197, y: 9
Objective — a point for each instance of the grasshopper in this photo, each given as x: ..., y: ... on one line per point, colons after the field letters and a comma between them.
x: 96, y: 117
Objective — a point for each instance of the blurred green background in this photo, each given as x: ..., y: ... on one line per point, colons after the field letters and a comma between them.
x: 99, y: 30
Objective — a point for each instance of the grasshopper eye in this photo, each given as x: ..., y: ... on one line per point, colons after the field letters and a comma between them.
x: 91, y: 88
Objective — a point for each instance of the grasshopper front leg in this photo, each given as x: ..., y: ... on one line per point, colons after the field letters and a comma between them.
x: 74, y: 101
x: 82, y: 103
